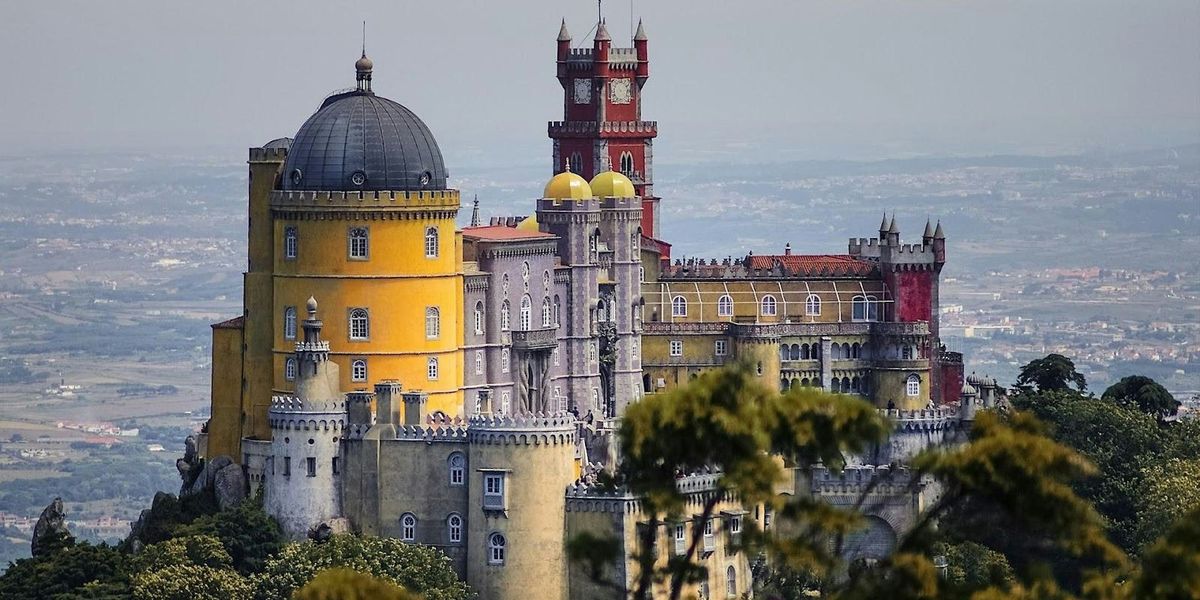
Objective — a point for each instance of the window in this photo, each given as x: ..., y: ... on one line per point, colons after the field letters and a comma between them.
x: 730, y: 583
x: 431, y: 368
x: 768, y: 306
x: 557, y: 306
x: 546, y: 280
x: 431, y: 242
x: 408, y: 527
x: 504, y: 316
x: 504, y: 360
x: 454, y: 529
x: 359, y: 324
x: 576, y: 162
x: 642, y: 274
x: 526, y: 313
x: 290, y: 242
x: 812, y: 305
x: 734, y: 525
x: 721, y: 347
x: 310, y: 464
x: 335, y: 465
x: 678, y: 306
x: 912, y: 386
x: 496, y: 545
x: 555, y: 355
x: 627, y: 164
x: 358, y: 243
x: 505, y: 403
x: 864, y: 308
x: 358, y: 370
x: 547, y: 313
x: 458, y: 469
x: 676, y: 348
x: 493, y: 491
x: 433, y: 322
x: 709, y: 539
x: 725, y: 306
x: 289, y: 323
x: 287, y: 466
x: 479, y: 362
x: 289, y: 369
x: 680, y: 539
x: 479, y: 318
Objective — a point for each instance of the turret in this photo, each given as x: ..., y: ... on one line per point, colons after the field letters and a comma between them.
x: 893, y: 232
x: 884, y: 227
x: 643, y: 56
x: 564, y: 49
x: 927, y: 237
x: 600, y: 46
x: 939, y: 244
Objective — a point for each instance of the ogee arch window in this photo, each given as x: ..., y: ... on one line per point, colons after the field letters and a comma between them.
x: 360, y: 328
x: 433, y: 322
x: 408, y: 527
x: 431, y: 242
x: 526, y: 313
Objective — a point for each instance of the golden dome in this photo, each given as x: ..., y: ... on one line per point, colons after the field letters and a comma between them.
x: 611, y: 183
x: 567, y: 186
x: 530, y: 223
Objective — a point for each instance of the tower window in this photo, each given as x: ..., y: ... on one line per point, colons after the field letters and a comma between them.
x: 358, y: 370
x: 504, y: 316
x: 458, y: 469
x: 504, y: 360
x: 289, y: 323
x: 678, y: 306
x: 505, y: 403
x: 287, y: 466
x: 479, y: 318
x: 627, y: 164
x: 768, y: 306
x: 725, y: 306
x: 431, y: 242
x: 721, y: 347
x: 431, y: 368
x: 642, y: 274
x: 290, y: 243
x: 547, y: 313
x: 289, y: 369
x: 479, y: 362
x: 496, y: 545
x: 360, y: 328
x: 433, y: 323
x: 812, y: 305
x: 526, y: 313
x: 310, y: 464
x: 557, y: 307
x: 576, y: 162
x: 730, y: 583
x: 864, y: 308
x: 676, y: 348
x: 454, y: 528
x: 408, y: 527
x: 493, y: 491
x: 912, y: 386
x: 358, y: 243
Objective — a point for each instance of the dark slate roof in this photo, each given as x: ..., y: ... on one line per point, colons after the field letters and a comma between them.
x: 360, y: 141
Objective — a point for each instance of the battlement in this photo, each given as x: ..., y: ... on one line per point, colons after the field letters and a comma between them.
x: 538, y: 429
x: 533, y: 421
x: 421, y: 433
x: 927, y: 419
x: 558, y: 205
x: 881, y: 480
x: 577, y: 54
x: 293, y: 404
x: 321, y: 346
x: 603, y: 128
x: 424, y: 199
x: 619, y: 203
x: 268, y: 154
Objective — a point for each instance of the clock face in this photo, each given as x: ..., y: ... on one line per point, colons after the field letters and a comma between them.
x: 620, y: 91
x: 583, y: 91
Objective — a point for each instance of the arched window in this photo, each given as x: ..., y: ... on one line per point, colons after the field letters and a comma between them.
x: 547, y: 313
x: 557, y: 310
x: 458, y: 469
x: 627, y: 164
x: 864, y: 308
x: 642, y: 274
x: 289, y: 323
x: 358, y: 243
x: 290, y: 242
x: 360, y: 328
x: 433, y: 322
x: 505, y: 403
x: 496, y: 544
x: 479, y: 327
x: 912, y: 386
x: 431, y: 368
x: 431, y: 242
x: 725, y: 306
x: 784, y: 353
x: 835, y: 351
x: 504, y: 360
x: 576, y: 162
x: 479, y: 362
x: 730, y: 583
x: 804, y: 352
x: 546, y: 280
x: 794, y: 353
x: 812, y: 305
x: 408, y: 527
x: 504, y: 316
x: 768, y: 306
x: 289, y: 369
x: 526, y: 313
x: 358, y: 370
x: 678, y: 306
x: 454, y: 528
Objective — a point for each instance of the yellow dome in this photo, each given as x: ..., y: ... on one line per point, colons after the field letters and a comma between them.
x: 611, y: 183
x: 567, y: 186
x: 530, y: 223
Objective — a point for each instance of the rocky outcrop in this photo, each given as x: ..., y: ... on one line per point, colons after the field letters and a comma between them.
x: 51, y: 532
x: 220, y: 475
x: 229, y: 485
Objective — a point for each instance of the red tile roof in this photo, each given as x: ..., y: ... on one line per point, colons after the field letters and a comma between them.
x: 813, y: 264
x: 234, y: 323
x: 503, y: 233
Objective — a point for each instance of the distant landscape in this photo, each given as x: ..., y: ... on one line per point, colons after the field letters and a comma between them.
x: 113, y: 266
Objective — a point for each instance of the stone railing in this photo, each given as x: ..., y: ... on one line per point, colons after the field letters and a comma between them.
x: 535, y: 339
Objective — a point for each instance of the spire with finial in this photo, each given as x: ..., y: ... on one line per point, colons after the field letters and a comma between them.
x: 566, y: 165
x: 602, y: 32
x: 883, y: 225
x: 893, y: 228
x: 938, y: 234
x: 563, y: 34
x: 475, y: 212
x: 928, y: 235
x: 312, y: 325
x: 363, y: 66
x: 640, y: 36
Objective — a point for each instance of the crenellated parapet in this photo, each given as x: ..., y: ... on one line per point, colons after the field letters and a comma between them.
x: 881, y: 480
x: 929, y: 419
x: 276, y: 155
x: 538, y: 429
x: 371, y: 205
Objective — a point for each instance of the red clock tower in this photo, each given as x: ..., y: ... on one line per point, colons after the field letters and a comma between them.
x: 602, y: 124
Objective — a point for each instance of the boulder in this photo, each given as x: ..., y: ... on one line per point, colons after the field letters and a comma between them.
x: 50, y: 532
x: 229, y: 485
x: 208, y: 474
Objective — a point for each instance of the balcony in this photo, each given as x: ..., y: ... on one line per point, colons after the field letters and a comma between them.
x: 535, y: 339
x: 606, y: 129
x: 915, y: 364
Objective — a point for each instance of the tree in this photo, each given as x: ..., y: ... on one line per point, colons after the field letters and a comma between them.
x: 345, y: 584
x: 1169, y: 488
x: 1171, y: 566
x: 191, y: 582
x: 246, y: 531
x: 419, y: 569
x: 1054, y: 372
x: 1144, y: 394
x: 77, y: 571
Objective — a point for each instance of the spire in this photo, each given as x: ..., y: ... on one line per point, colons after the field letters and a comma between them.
x: 883, y: 225
x: 362, y: 71
x: 563, y: 34
x: 893, y: 228
x: 602, y: 33
x: 312, y: 325
x: 928, y: 229
x: 938, y: 234
x: 640, y: 36
x: 475, y: 212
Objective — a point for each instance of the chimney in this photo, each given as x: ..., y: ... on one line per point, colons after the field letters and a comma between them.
x: 787, y: 249
x: 414, y: 407
x: 387, y: 394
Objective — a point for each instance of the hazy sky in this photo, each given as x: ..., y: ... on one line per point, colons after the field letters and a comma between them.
x: 823, y: 79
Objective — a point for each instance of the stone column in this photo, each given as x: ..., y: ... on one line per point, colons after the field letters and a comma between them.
x: 826, y: 361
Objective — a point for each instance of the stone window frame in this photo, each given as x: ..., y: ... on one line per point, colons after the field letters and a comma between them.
x: 290, y: 368
x: 480, y: 325
x: 869, y: 305
x: 289, y: 322
x: 505, y: 316
x: 768, y: 306
x: 526, y: 320
x: 454, y: 528
x: 408, y: 527
x: 479, y: 362
x: 432, y: 369
x: 725, y: 306
x: 505, y: 359
x: 675, y: 347
x: 310, y: 465
x: 433, y: 322
x: 679, y: 306
x: 359, y: 321
x: 358, y: 243
x: 431, y: 242
x: 731, y: 582
x: 355, y: 374
x: 547, y: 313
x: 291, y: 242
x: 812, y: 306
x: 457, y: 469
x: 721, y: 347
x: 912, y: 385
x: 497, y: 545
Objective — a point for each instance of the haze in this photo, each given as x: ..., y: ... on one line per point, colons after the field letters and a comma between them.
x: 845, y: 79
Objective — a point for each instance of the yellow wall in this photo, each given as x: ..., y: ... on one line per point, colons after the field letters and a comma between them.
x: 702, y: 297
x: 224, y: 427
x: 257, y: 296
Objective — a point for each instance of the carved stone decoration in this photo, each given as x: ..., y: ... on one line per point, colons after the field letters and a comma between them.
x: 50, y: 532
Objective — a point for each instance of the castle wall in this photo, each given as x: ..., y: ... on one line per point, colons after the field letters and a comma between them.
x: 224, y: 435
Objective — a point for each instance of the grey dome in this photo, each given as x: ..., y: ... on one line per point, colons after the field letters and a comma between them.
x: 360, y: 141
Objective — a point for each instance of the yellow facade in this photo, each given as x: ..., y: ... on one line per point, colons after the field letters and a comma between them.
x: 225, y: 428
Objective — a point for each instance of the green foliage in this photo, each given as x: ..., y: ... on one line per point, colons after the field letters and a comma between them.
x: 345, y: 584
x: 191, y: 582
x: 198, y: 550
x: 1052, y: 373
x: 78, y: 571
x: 972, y: 567
x: 1144, y: 394
x: 420, y: 569
x: 1171, y: 567
x: 248, y: 534
x: 1170, y: 488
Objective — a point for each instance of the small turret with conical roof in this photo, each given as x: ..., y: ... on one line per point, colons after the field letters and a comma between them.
x: 640, y: 46
x: 927, y: 237
x: 893, y: 232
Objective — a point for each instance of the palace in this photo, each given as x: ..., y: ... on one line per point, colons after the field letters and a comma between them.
x: 396, y: 375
